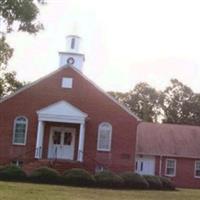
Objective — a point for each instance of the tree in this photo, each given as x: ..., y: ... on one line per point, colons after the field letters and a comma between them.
x: 142, y: 100
x: 9, y: 83
x: 19, y: 15
x: 5, y: 53
x: 177, y: 104
x: 195, y: 110
x: 119, y: 96
x: 180, y: 104
x: 15, y: 15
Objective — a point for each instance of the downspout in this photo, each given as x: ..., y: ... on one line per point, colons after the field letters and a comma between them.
x: 160, y: 166
x: 136, y: 142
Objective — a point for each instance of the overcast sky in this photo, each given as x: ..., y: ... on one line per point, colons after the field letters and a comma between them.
x: 124, y: 41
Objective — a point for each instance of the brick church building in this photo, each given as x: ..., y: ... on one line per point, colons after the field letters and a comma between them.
x: 64, y: 120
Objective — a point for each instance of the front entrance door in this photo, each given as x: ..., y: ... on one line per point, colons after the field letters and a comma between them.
x: 61, y: 143
x: 145, y: 165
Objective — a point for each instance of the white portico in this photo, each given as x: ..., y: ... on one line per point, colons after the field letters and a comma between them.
x: 61, y: 140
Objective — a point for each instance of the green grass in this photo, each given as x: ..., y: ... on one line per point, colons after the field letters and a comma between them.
x: 26, y: 191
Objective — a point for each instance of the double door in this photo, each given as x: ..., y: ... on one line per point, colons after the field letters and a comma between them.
x: 61, y: 143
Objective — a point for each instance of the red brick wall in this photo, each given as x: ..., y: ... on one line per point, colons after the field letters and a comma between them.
x: 184, y: 172
x: 88, y: 99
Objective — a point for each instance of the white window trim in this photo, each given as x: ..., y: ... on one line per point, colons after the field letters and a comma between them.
x: 195, y: 169
x: 25, y: 137
x: 98, y: 139
x: 170, y: 175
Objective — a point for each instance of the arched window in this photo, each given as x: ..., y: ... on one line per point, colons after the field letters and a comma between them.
x: 20, y: 130
x: 104, y: 137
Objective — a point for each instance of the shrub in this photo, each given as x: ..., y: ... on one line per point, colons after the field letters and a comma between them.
x: 13, y: 173
x: 154, y: 182
x: 107, y: 179
x: 45, y: 175
x: 167, y: 183
x: 78, y: 177
x: 133, y: 180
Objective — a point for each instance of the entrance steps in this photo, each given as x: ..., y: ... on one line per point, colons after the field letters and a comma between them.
x: 59, y: 165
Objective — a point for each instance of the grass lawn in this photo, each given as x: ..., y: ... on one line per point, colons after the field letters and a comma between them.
x: 26, y: 191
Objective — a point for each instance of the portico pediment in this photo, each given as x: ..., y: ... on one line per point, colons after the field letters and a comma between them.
x: 62, y: 111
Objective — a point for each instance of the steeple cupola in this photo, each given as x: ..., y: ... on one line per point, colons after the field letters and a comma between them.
x: 72, y: 55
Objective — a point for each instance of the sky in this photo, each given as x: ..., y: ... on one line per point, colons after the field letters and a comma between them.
x: 124, y: 41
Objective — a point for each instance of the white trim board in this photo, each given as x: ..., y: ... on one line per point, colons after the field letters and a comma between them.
x: 167, y: 155
x: 62, y: 111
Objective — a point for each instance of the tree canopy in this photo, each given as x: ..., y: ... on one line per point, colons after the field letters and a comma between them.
x: 180, y: 104
x: 15, y: 15
x: 9, y: 83
x: 176, y: 104
x: 142, y: 100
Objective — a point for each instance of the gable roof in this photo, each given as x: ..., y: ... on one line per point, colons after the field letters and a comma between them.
x: 62, y: 108
x: 29, y: 85
x: 168, y: 140
x: 81, y: 74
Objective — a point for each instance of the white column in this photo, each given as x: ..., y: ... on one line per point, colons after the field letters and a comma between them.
x: 81, y: 142
x: 39, y: 141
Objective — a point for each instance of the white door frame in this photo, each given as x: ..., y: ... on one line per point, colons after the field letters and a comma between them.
x: 61, y: 148
x: 145, y: 165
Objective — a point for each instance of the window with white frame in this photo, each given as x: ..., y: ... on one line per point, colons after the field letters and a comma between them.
x: 20, y: 130
x: 104, y: 137
x: 67, y: 82
x: 170, y: 167
x: 197, y: 168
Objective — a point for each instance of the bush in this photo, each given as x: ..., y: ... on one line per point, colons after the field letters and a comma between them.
x: 133, y: 180
x: 167, y: 183
x: 107, y: 179
x: 13, y: 173
x: 154, y: 182
x: 78, y: 177
x: 45, y: 175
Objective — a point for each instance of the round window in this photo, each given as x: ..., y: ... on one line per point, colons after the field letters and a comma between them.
x: 70, y: 61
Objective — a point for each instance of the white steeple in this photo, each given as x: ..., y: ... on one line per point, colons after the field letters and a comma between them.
x: 72, y: 55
